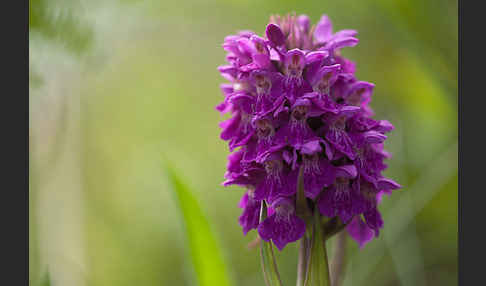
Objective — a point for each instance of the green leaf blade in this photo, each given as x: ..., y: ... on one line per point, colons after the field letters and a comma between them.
x: 205, y: 253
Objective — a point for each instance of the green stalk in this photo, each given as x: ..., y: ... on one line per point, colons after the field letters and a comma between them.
x: 304, y: 213
x: 269, y: 263
x: 318, y: 267
x: 303, y: 260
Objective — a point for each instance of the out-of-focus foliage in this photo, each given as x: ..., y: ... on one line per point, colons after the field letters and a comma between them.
x: 58, y: 22
x: 204, y: 249
x: 128, y: 82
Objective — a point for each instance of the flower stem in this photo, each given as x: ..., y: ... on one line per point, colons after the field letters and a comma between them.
x: 327, y: 281
x: 338, y: 260
x: 303, y: 260
x: 304, y: 246
x: 318, y: 266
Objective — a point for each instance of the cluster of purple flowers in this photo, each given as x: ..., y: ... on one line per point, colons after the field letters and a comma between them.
x: 296, y: 107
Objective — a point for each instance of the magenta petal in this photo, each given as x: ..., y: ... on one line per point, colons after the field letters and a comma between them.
x: 323, y: 29
x: 374, y: 220
x: 315, y: 56
x: 250, y: 217
x: 387, y: 184
x: 275, y: 35
x: 311, y: 147
x: 342, y: 42
x: 359, y: 231
x: 304, y: 23
x: 346, y: 171
x: 329, y: 151
x: 345, y: 33
x: 282, y: 229
x: 374, y: 137
x: 384, y: 126
x: 243, y: 201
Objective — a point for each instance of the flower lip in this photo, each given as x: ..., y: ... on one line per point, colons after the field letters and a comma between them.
x: 264, y: 128
x: 273, y: 164
x: 359, y: 92
x: 325, y: 77
x: 299, y: 113
x: 294, y: 62
x: 260, y: 45
x: 300, y: 108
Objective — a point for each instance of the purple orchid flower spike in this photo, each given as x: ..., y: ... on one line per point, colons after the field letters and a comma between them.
x: 295, y: 109
x: 283, y: 226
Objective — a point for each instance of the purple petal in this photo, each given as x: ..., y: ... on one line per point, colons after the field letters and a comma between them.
x: 387, y: 184
x: 384, y: 126
x: 275, y: 35
x: 323, y: 29
x: 311, y: 147
x: 243, y: 201
x: 374, y: 137
x: 315, y: 56
x: 341, y: 43
x: 304, y: 23
x: 359, y: 231
x: 374, y: 220
x: 347, y: 171
x: 250, y: 217
x: 346, y: 33
x: 282, y: 229
x: 329, y: 151
x: 228, y: 72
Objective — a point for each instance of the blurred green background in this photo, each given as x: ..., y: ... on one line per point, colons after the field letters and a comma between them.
x: 117, y: 88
